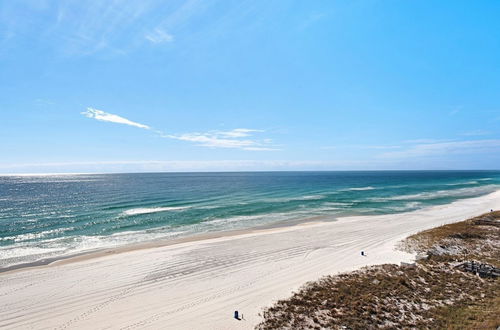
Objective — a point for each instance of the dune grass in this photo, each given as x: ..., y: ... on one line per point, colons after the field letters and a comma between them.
x: 433, y: 294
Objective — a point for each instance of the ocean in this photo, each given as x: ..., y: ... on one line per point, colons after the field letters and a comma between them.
x: 51, y: 216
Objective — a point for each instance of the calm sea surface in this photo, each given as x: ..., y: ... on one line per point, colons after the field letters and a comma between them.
x: 56, y: 215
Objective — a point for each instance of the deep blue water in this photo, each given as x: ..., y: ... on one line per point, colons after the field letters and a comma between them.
x: 47, y: 216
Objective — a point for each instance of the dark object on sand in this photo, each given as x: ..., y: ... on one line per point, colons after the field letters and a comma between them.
x: 483, y: 270
x: 236, y: 316
x: 362, y: 253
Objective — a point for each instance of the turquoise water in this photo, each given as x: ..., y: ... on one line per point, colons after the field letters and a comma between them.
x: 56, y: 215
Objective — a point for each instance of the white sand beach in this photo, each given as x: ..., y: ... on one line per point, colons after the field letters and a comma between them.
x: 199, y: 284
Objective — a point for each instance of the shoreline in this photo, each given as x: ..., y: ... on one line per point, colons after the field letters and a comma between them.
x: 99, y: 253
x: 282, y: 225
x: 213, y: 277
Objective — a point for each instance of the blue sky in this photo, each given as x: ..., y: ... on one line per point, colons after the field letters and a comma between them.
x: 125, y: 86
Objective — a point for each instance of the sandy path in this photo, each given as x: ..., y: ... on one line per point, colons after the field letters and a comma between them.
x: 198, y: 285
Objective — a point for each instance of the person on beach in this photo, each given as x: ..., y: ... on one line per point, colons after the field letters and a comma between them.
x: 362, y: 253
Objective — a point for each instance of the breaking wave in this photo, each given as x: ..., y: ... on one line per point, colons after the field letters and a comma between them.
x: 460, y: 192
x: 146, y: 210
x: 359, y: 188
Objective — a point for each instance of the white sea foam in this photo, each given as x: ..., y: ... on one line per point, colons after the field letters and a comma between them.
x: 410, y: 206
x: 146, y: 210
x: 85, y: 243
x: 240, y: 218
x: 30, y: 236
x: 327, y: 209
x: 246, y: 220
x: 460, y: 192
x: 336, y: 204
x: 24, y: 251
x: 311, y: 197
x: 462, y: 183
x: 211, y: 207
x: 299, y: 198
x: 359, y: 188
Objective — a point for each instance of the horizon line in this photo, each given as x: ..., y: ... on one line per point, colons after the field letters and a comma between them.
x: 249, y: 171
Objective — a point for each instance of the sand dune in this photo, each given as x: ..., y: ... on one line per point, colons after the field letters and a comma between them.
x: 199, y: 284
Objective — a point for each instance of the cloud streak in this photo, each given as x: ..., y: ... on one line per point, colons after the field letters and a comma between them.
x: 109, y: 117
x: 238, y: 138
x: 159, y: 36
x: 227, y: 139
x: 85, y: 28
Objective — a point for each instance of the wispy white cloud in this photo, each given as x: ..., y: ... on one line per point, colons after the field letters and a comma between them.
x: 118, y: 27
x: 238, y: 132
x: 227, y: 139
x: 109, y: 117
x: 238, y: 138
x: 82, y: 28
x: 446, y: 148
x: 158, y: 36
